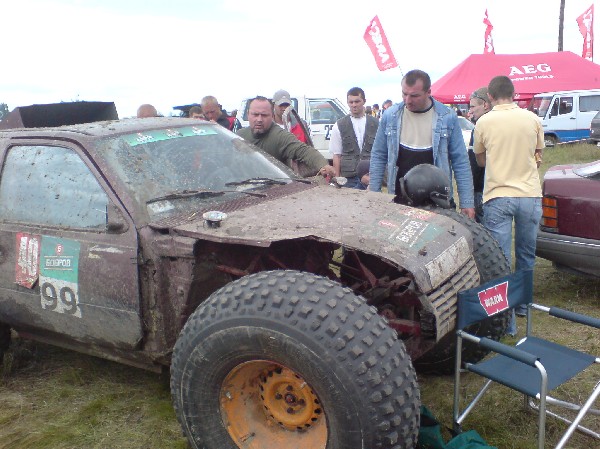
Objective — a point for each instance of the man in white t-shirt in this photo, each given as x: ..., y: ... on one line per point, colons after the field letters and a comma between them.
x: 352, y: 137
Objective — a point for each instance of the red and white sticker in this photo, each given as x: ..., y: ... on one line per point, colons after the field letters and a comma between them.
x: 388, y: 224
x: 494, y: 299
x: 28, y: 259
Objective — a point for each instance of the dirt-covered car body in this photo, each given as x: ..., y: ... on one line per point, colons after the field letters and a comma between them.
x: 288, y: 311
x: 105, y: 247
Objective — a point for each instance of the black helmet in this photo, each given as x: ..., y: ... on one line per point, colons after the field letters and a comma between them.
x: 424, y: 184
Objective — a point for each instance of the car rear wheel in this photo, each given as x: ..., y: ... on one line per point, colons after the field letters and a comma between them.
x: 491, y: 263
x: 286, y: 359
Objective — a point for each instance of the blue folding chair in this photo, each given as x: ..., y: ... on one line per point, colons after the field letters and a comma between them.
x: 533, y: 366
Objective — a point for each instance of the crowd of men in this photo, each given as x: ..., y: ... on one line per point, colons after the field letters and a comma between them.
x: 496, y: 178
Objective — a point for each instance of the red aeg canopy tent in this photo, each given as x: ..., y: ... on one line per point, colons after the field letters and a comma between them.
x: 531, y: 75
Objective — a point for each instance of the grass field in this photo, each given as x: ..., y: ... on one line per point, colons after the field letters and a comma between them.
x: 53, y: 398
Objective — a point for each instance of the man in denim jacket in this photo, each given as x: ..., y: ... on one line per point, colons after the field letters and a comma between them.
x: 421, y: 130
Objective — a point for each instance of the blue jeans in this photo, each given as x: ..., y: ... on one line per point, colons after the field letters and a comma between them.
x: 354, y: 183
x: 498, y: 217
x: 478, y: 197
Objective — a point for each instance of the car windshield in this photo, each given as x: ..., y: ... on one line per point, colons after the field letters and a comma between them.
x: 323, y: 112
x: 168, y: 171
x: 540, y: 105
x: 591, y: 170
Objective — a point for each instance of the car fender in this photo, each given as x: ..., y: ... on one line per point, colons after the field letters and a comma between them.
x: 428, y: 245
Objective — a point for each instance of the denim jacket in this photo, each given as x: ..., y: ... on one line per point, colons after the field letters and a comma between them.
x: 449, y: 151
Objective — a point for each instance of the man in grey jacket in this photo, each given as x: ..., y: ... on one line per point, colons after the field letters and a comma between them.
x: 421, y: 130
x: 279, y: 143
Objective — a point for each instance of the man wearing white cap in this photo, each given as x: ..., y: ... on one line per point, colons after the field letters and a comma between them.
x: 287, y: 117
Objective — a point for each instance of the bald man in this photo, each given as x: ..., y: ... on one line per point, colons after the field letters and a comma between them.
x: 147, y: 110
x: 212, y: 111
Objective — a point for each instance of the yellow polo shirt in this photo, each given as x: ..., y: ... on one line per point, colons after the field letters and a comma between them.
x: 509, y: 136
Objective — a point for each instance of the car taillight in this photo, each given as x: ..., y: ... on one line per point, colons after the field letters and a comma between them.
x: 549, y: 214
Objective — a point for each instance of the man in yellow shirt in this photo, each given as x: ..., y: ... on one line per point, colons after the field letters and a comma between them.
x: 508, y: 143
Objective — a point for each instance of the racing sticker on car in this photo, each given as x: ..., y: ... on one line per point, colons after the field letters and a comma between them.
x: 445, y: 264
x: 28, y: 255
x: 411, y: 232
x: 59, y: 272
x: 167, y: 134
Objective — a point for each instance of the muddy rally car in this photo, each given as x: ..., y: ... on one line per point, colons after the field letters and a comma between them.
x: 290, y: 314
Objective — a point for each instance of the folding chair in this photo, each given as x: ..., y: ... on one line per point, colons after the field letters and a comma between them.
x: 533, y: 366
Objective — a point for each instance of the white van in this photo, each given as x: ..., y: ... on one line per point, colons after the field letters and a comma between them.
x: 320, y: 113
x: 566, y: 115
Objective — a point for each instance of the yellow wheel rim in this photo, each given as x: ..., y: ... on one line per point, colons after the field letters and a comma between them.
x: 266, y: 405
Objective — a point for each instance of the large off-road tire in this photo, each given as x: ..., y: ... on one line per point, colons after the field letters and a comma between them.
x: 285, y: 359
x: 491, y: 263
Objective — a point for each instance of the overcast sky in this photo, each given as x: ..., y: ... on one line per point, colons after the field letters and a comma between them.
x: 175, y: 52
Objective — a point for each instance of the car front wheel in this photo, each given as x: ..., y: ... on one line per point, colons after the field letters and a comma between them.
x: 550, y: 141
x: 286, y: 359
x: 491, y: 264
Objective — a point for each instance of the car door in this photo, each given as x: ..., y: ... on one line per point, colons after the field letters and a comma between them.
x: 68, y: 250
x: 563, y: 118
x: 588, y: 107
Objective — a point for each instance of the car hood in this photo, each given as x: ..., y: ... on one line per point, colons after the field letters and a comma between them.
x: 432, y: 247
x: 563, y: 181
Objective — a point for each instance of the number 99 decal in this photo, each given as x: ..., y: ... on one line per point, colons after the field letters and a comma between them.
x: 59, y: 296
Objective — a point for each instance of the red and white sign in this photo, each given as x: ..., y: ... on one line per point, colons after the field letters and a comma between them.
x: 494, y: 299
x: 378, y: 43
x: 586, y: 28
x: 28, y: 259
x: 488, y: 46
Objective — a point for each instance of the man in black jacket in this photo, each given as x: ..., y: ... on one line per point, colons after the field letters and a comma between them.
x: 479, y: 104
x: 213, y: 112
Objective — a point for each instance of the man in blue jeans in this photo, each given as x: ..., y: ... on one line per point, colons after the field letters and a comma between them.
x: 508, y: 143
x: 420, y: 130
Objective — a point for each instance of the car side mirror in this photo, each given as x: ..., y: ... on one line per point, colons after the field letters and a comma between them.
x: 115, y: 221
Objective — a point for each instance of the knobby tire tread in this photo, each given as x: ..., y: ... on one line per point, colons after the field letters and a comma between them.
x: 335, y: 321
x: 491, y: 264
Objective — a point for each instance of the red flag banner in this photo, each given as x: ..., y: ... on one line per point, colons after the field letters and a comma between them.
x: 488, y: 46
x: 378, y: 43
x: 586, y: 27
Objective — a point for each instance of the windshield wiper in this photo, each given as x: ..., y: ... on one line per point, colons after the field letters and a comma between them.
x: 257, y: 181
x: 199, y: 194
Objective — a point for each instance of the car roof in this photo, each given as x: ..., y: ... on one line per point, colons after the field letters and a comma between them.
x: 106, y: 128
x: 567, y: 92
